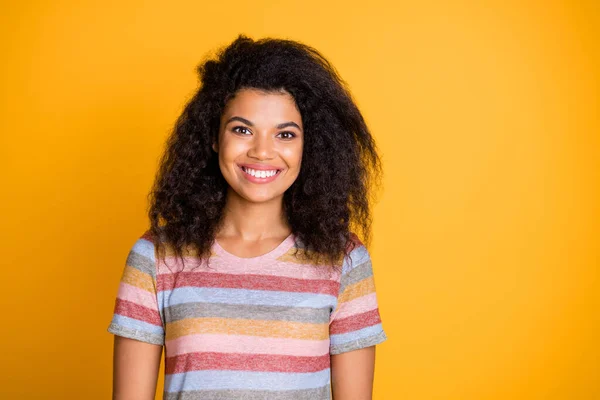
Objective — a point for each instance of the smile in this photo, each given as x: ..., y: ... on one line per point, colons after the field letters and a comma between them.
x: 260, y: 175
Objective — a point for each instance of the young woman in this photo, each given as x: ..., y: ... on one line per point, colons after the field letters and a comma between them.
x: 251, y: 275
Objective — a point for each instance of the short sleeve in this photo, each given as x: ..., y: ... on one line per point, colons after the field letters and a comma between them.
x: 136, y: 312
x: 355, y: 323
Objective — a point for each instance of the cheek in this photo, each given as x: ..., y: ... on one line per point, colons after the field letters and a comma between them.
x: 230, y: 150
x: 293, y: 156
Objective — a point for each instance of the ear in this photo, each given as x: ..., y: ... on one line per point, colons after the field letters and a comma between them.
x: 214, y: 147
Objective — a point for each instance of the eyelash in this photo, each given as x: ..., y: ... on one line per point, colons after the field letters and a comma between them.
x: 235, y: 129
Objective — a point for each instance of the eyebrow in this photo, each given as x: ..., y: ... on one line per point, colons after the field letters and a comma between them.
x: 245, y: 121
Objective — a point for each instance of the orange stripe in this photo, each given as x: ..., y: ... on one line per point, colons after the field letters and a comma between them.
x: 252, y: 327
x: 137, y: 278
x: 358, y: 289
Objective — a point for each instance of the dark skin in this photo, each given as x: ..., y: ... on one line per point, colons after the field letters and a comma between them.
x: 352, y: 374
x: 135, y: 369
x: 265, y: 129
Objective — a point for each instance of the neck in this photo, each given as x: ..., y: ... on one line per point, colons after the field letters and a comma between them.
x: 253, y: 221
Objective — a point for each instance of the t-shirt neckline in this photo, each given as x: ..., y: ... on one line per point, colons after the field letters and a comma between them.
x: 281, y: 249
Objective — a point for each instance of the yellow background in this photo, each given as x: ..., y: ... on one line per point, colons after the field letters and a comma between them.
x: 487, y: 233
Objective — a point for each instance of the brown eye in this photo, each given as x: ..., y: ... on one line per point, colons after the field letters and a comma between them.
x: 238, y: 129
x: 288, y: 135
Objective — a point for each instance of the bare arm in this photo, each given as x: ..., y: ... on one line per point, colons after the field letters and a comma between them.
x: 135, y: 369
x: 352, y: 374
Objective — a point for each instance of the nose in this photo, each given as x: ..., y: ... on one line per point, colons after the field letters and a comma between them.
x: 262, y: 147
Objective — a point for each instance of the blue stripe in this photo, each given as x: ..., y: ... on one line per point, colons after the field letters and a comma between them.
x: 248, y: 380
x: 137, y: 324
x: 342, y: 338
x: 244, y: 296
x: 145, y: 248
x: 357, y: 257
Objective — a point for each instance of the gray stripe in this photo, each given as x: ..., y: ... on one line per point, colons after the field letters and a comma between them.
x: 322, y: 393
x: 142, y: 263
x: 120, y: 330
x: 357, y: 274
x: 358, y: 344
x: 247, y: 311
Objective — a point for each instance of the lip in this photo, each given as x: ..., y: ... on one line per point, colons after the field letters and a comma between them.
x: 254, y: 179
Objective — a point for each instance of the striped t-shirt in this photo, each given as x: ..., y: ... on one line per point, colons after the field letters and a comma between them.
x: 247, y: 328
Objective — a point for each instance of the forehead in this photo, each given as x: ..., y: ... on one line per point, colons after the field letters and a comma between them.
x: 260, y: 106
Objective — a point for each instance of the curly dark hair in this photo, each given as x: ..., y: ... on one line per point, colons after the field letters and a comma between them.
x: 330, y: 199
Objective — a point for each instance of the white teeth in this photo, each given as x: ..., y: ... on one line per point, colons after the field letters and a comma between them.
x: 259, y: 174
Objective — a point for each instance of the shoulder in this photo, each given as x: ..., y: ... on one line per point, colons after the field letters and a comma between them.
x: 142, y: 254
x: 357, y: 253
x: 144, y: 245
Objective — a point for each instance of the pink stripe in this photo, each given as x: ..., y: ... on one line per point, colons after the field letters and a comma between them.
x: 246, y: 344
x: 136, y: 295
x: 357, y: 306
x: 282, y: 269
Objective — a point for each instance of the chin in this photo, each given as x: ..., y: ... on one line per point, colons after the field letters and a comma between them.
x: 261, y: 198
x: 254, y: 195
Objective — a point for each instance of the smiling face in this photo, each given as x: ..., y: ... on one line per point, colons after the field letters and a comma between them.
x: 260, y: 144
